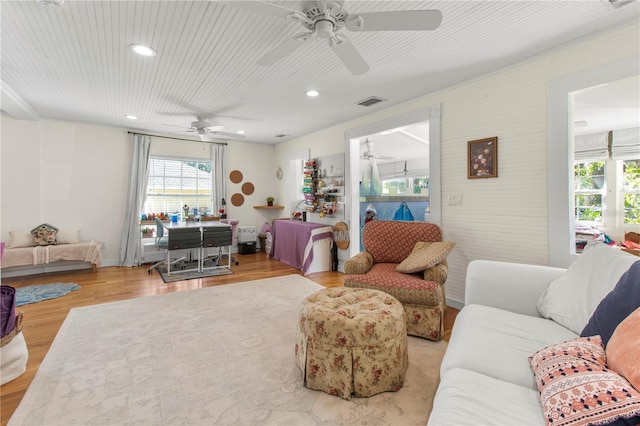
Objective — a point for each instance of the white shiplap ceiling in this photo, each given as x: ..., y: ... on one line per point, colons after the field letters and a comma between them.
x: 72, y: 62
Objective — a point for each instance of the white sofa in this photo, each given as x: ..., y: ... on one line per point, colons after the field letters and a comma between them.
x: 486, y: 378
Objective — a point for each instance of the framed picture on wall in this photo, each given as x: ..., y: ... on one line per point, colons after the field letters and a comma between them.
x: 482, y: 158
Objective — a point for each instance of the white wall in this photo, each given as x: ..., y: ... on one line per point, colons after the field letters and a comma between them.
x: 76, y: 175
x: 503, y: 218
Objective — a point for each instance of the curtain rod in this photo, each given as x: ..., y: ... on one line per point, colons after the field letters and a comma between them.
x: 178, y: 139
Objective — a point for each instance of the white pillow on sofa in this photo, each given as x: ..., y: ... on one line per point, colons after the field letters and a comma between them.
x: 20, y: 239
x: 68, y: 235
x: 571, y: 299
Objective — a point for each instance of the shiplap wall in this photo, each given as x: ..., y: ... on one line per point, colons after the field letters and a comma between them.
x: 505, y: 218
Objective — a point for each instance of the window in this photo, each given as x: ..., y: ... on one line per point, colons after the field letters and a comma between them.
x: 589, y: 190
x: 174, y: 183
x: 404, y: 186
x: 630, y: 193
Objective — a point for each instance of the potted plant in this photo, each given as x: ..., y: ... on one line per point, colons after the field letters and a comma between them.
x: 270, y: 201
x: 147, y: 232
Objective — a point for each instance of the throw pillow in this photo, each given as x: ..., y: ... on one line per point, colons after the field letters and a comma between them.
x: 577, y: 389
x: 20, y: 239
x: 68, y: 236
x: 425, y: 255
x: 44, y: 235
x: 571, y: 298
x: 616, y: 306
x: 623, y: 350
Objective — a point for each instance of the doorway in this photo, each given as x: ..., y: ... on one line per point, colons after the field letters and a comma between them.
x: 427, y: 119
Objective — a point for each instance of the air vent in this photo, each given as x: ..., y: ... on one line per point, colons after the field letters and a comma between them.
x: 370, y: 101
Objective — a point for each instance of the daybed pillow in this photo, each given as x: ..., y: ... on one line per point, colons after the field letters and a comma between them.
x: 577, y: 389
x: 20, y: 239
x: 616, y: 306
x: 623, y: 350
x: 571, y: 298
x: 68, y: 236
x: 425, y: 255
x: 44, y: 235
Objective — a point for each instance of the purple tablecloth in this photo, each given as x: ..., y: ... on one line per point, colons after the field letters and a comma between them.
x: 292, y: 241
x: 7, y: 309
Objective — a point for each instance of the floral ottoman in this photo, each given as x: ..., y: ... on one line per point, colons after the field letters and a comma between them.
x: 352, y: 341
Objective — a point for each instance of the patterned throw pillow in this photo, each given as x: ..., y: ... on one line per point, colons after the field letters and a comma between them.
x: 425, y: 255
x: 576, y: 388
x: 44, y: 235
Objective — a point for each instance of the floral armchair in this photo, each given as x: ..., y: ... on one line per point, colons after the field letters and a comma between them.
x: 408, y: 261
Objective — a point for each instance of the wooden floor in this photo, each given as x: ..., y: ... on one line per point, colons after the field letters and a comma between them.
x: 42, y: 320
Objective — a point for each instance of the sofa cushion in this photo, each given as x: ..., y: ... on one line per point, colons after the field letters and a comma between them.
x: 425, y: 255
x: 466, y: 397
x: 616, y: 306
x: 19, y: 239
x: 44, y: 235
x: 407, y: 288
x: 68, y: 236
x: 577, y: 389
x: 623, y: 350
x: 571, y: 299
x: 497, y: 343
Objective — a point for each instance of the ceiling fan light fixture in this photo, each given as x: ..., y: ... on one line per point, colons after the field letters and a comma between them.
x: 324, y: 28
x: 142, y: 50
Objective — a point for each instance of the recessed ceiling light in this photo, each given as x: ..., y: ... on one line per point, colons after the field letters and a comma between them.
x: 143, y: 50
x: 131, y: 117
x: 312, y: 93
x: 241, y: 132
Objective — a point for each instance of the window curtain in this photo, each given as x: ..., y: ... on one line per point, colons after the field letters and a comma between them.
x: 625, y: 144
x: 130, y: 252
x: 219, y: 175
x: 592, y: 146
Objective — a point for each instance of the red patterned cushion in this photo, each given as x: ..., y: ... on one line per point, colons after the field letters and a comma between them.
x: 407, y: 288
x: 391, y: 241
x: 577, y: 389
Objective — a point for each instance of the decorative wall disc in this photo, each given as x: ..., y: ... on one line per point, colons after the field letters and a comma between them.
x: 237, y: 199
x: 247, y: 188
x: 235, y: 176
x: 279, y: 173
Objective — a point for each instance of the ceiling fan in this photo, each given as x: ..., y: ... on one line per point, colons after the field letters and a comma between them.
x: 369, y: 154
x: 204, y: 126
x: 325, y: 20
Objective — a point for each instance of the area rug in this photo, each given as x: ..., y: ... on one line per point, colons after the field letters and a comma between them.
x: 220, y: 355
x: 191, y: 272
x: 40, y: 292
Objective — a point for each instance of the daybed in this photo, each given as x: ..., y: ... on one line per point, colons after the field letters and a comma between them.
x: 516, y: 357
x: 86, y: 251
x: 46, y: 244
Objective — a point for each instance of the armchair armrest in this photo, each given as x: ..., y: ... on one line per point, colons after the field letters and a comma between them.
x: 438, y: 273
x: 514, y: 287
x: 361, y: 263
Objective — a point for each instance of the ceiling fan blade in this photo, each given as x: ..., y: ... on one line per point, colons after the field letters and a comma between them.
x: 227, y: 135
x: 349, y: 55
x: 402, y: 20
x: 264, y: 7
x: 284, y: 50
